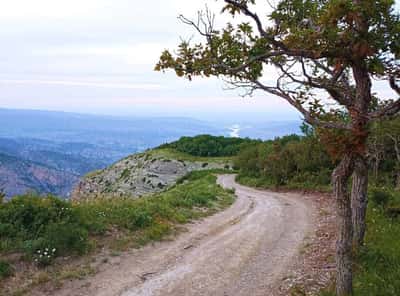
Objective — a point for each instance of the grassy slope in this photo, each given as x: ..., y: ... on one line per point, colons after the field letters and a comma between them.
x: 115, y: 224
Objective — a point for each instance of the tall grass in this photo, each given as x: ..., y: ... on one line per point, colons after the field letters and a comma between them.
x: 377, y: 265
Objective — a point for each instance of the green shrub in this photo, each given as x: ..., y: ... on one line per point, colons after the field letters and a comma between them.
x: 6, y: 270
x: 34, y: 223
x: 67, y: 238
x: 380, y: 197
x: 209, y: 146
x: 139, y: 218
x: 29, y: 214
x: 291, y: 161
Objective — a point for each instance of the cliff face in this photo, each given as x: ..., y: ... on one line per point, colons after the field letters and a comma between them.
x: 140, y: 174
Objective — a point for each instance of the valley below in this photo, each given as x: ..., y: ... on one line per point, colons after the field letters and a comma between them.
x: 48, y: 152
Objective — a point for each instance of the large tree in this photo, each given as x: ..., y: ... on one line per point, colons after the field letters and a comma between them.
x: 327, y: 54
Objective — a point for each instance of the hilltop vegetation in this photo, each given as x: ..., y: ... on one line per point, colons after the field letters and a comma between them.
x: 302, y: 161
x: 292, y: 162
x: 209, y: 146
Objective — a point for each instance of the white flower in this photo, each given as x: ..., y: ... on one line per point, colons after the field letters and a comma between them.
x: 41, y: 256
x: 45, y: 253
x: 38, y: 251
x: 53, y: 250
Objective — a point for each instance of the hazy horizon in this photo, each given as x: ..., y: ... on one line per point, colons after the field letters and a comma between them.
x: 97, y: 57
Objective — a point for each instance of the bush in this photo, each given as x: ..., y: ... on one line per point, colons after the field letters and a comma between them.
x: 291, y: 161
x: 139, y: 219
x: 34, y: 223
x: 380, y: 197
x: 28, y: 214
x: 66, y: 238
x: 6, y: 270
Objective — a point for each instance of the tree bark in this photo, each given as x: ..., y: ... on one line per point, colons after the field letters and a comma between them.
x: 398, y: 182
x: 344, y: 275
x: 359, y: 200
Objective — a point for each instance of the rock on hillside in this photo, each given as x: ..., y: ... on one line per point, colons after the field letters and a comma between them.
x: 141, y: 174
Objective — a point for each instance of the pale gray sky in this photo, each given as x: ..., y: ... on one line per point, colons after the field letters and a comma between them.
x: 97, y: 56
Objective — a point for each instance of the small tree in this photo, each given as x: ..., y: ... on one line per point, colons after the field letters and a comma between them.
x: 326, y: 47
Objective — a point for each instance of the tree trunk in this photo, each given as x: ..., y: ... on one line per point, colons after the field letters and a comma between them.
x: 344, y: 276
x: 359, y: 200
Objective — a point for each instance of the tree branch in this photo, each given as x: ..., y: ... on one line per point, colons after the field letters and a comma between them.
x: 394, y: 85
x: 391, y: 109
x: 308, y: 117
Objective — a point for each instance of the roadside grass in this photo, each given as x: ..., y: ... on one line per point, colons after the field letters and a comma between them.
x: 311, y: 183
x: 377, y: 264
x: 43, y: 229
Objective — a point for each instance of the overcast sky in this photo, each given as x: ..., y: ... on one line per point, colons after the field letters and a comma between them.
x: 97, y: 56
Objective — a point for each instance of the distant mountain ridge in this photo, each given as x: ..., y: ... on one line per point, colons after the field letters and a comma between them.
x: 65, y: 146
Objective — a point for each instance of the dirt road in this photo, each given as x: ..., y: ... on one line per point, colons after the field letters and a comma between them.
x: 245, y: 250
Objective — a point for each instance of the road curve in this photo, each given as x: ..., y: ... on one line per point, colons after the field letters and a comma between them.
x: 244, y: 250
